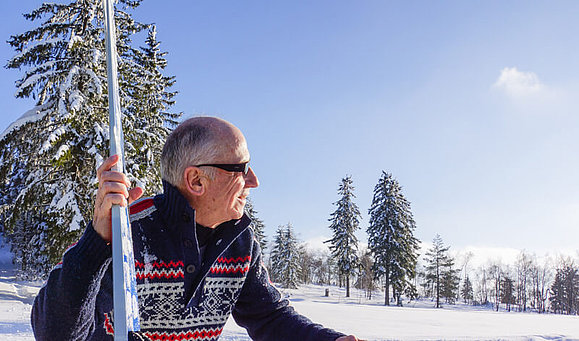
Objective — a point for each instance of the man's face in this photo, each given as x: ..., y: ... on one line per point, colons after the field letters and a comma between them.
x: 227, y: 192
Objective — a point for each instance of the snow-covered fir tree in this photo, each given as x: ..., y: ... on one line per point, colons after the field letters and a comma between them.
x: 48, y: 157
x: 345, y: 220
x: 275, y: 255
x: 439, y: 269
x: 391, y: 236
x: 256, y: 225
x: 285, y: 257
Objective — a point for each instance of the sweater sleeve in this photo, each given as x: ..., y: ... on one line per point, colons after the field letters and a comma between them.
x: 267, y: 316
x: 65, y: 307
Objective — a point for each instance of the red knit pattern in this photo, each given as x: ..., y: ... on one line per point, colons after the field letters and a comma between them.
x: 196, y: 335
x: 108, y: 325
x: 141, y: 206
x: 160, y: 265
x: 230, y: 269
x: 234, y: 260
x: 160, y: 270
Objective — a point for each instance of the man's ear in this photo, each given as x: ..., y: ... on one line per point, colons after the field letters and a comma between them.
x: 194, y: 181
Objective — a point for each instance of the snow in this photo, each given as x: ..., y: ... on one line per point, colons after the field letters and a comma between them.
x: 33, y: 80
x: 370, y: 320
x: 74, y: 39
x: 34, y: 44
x: 31, y: 115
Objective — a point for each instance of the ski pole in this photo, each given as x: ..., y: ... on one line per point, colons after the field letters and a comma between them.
x: 126, y: 309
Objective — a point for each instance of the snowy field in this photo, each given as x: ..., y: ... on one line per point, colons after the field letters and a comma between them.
x: 368, y: 319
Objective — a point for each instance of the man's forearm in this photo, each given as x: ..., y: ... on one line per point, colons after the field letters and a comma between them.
x: 64, y: 308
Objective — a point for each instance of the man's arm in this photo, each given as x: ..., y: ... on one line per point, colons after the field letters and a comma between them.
x: 267, y: 317
x: 65, y: 307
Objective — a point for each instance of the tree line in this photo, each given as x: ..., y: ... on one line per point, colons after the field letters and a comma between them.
x: 390, y: 258
x: 391, y: 262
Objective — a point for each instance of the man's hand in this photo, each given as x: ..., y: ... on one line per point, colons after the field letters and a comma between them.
x: 348, y: 338
x: 113, y: 190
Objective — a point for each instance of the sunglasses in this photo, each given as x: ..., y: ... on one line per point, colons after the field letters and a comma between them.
x: 231, y: 167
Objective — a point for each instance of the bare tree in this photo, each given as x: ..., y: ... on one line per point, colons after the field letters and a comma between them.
x: 523, y: 266
x: 541, y: 275
x: 496, y: 274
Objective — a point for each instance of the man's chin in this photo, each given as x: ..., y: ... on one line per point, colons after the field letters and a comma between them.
x: 238, y: 213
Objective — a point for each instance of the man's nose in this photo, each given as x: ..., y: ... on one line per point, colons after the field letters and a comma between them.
x: 251, y: 180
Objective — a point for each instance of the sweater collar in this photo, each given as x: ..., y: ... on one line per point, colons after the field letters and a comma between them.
x: 175, y: 208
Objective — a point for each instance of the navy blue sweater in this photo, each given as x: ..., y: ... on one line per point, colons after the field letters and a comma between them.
x: 184, y: 293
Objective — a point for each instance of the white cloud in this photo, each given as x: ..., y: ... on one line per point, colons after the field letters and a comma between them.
x: 516, y: 83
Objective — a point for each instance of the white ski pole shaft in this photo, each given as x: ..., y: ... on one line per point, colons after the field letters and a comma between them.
x: 126, y: 309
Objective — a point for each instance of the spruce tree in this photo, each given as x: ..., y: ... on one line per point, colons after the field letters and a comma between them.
x: 507, y: 292
x: 557, y: 295
x: 48, y: 158
x: 564, y: 293
x: 467, y: 290
x: 391, y: 235
x: 450, y: 285
x: 344, y: 223
x: 439, y: 270
x: 285, y: 257
x: 256, y: 225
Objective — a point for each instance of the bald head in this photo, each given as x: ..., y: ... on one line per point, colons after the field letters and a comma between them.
x: 198, y: 140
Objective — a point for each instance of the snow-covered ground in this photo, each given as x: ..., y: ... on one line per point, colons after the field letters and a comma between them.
x: 367, y: 319
x: 370, y: 320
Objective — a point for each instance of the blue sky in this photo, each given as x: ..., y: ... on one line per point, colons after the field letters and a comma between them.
x: 472, y: 106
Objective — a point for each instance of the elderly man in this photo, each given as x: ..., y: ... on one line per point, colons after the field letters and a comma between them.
x: 196, y: 260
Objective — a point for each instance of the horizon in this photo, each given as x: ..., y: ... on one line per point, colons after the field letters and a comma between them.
x: 470, y: 106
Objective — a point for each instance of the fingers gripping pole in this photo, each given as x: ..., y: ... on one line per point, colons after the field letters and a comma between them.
x: 126, y: 309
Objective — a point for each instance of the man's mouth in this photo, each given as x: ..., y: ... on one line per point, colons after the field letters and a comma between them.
x: 243, y: 196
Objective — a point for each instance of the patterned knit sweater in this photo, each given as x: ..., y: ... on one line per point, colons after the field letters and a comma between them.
x: 183, y: 293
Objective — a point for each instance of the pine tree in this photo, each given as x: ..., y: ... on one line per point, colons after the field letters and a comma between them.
x: 439, y: 269
x: 48, y: 158
x: 557, y: 297
x: 450, y: 284
x: 148, y: 97
x: 507, y: 292
x: 344, y: 223
x: 285, y: 258
x: 276, y: 254
x: 467, y: 290
x: 391, y: 235
x: 256, y: 225
x: 564, y: 293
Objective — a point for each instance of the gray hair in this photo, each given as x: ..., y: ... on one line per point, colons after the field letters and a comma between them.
x: 191, y: 143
